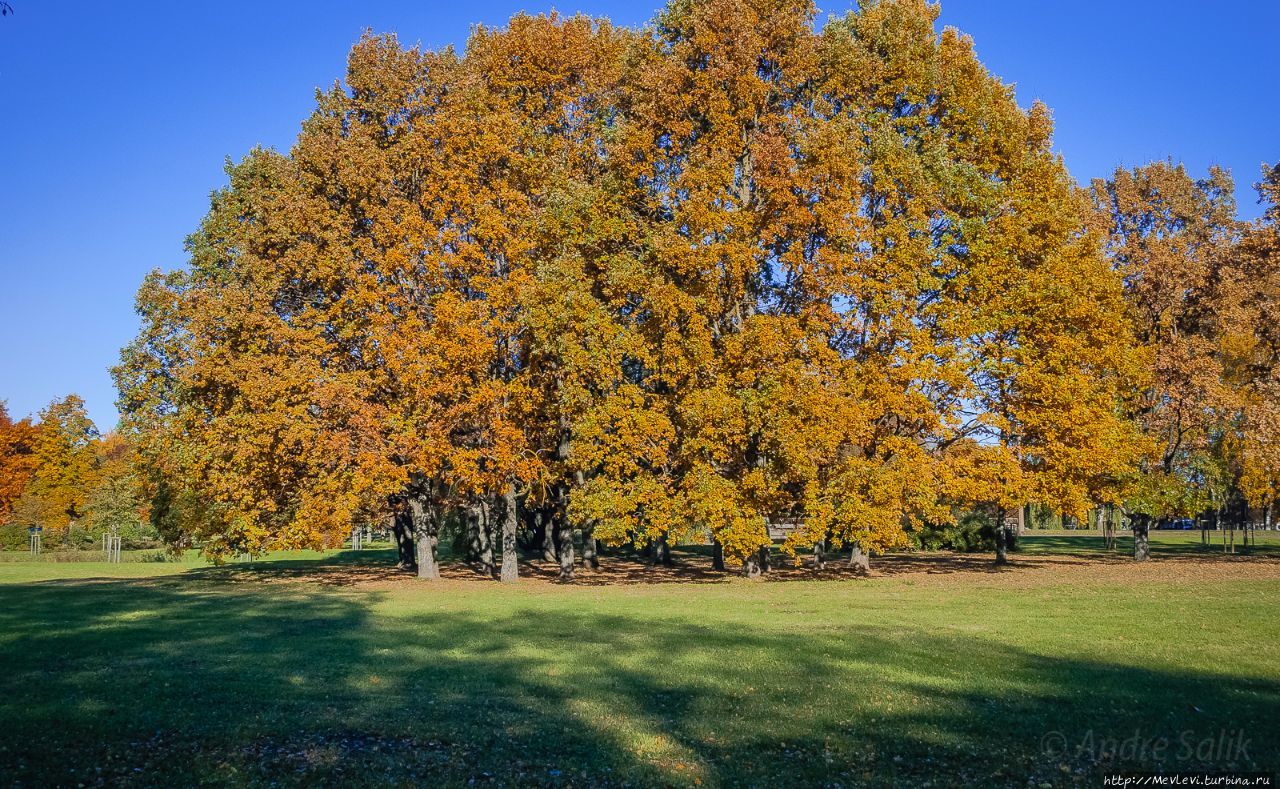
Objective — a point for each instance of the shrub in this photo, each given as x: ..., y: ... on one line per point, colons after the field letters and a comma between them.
x: 971, y: 532
x: 13, y: 537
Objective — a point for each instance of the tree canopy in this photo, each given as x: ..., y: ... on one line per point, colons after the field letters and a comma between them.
x: 680, y: 283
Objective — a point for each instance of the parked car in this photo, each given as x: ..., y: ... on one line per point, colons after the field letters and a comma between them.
x: 1178, y: 524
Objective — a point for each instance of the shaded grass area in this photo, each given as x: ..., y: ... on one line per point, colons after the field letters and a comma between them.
x: 172, y: 674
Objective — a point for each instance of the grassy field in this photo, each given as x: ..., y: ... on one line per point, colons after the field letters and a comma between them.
x: 308, y: 668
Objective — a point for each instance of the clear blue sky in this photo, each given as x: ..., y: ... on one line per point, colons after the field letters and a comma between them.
x: 115, y: 119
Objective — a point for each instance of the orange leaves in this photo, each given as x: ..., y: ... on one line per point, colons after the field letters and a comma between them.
x: 675, y: 283
x: 1246, y: 323
x: 1169, y: 237
x: 17, y: 459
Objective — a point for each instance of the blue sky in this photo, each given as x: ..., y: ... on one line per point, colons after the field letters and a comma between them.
x: 115, y: 120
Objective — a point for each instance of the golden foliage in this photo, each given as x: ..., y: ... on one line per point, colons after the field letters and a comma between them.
x: 670, y: 284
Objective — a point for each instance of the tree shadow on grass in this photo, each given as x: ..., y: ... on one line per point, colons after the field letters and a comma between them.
x: 378, y: 569
x: 690, y: 565
x: 344, y: 568
x: 192, y: 679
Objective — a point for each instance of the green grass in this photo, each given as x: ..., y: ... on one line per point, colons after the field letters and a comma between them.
x: 173, y: 673
x: 1163, y: 543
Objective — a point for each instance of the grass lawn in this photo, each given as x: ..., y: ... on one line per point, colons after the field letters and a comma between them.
x: 331, y: 668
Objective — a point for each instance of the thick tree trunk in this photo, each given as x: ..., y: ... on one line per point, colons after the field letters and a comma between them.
x: 1141, y: 542
x: 402, y: 529
x: 1002, y: 548
x: 858, y: 560
x: 549, y: 529
x: 757, y: 564
x: 664, y: 551
x: 510, y: 560
x: 425, y: 533
x: 566, y: 553
x: 428, y: 567
x: 717, y: 555
x: 820, y: 555
x: 480, y: 535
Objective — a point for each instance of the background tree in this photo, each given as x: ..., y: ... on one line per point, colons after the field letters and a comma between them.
x: 65, y: 467
x: 1246, y: 319
x: 17, y: 459
x: 116, y: 503
x: 1168, y: 236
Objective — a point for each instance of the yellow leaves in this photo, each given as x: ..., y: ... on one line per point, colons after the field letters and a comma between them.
x: 55, y: 465
x: 986, y: 474
x: 693, y: 278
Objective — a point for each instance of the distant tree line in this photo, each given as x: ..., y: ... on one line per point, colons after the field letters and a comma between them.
x: 60, y: 475
x: 674, y: 284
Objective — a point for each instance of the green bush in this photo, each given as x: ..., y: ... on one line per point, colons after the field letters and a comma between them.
x: 13, y: 537
x: 971, y: 532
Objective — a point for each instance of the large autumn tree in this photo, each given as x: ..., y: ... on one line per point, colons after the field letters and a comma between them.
x: 859, y: 251
x: 354, y: 333
x: 647, y: 286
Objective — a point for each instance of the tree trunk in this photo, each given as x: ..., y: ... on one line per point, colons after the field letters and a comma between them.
x: 566, y: 553
x: 402, y: 529
x: 717, y: 555
x: 1002, y: 549
x: 858, y: 560
x: 590, y: 556
x: 664, y: 551
x: 756, y: 564
x: 425, y: 534
x: 428, y: 567
x: 820, y: 555
x: 480, y: 535
x: 549, y: 530
x: 510, y: 566
x: 1141, y: 541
